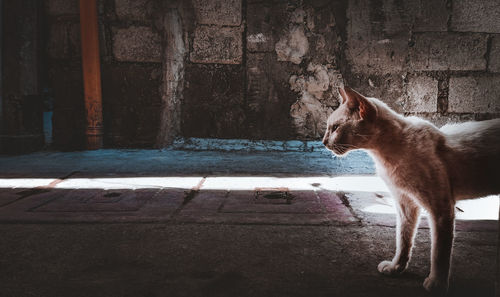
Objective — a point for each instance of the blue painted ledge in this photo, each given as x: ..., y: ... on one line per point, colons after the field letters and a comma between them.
x: 194, y: 156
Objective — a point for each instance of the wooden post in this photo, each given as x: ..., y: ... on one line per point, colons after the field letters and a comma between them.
x: 91, y: 73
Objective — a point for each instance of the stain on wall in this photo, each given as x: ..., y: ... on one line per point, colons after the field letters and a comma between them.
x: 318, y: 89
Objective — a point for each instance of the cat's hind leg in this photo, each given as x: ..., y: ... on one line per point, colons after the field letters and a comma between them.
x: 442, y: 228
x: 408, y: 214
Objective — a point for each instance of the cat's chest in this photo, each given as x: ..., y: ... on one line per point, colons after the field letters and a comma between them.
x: 394, y: 176
x: 385, y: 175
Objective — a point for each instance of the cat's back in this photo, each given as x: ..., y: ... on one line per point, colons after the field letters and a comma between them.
x: 476, y: 137
x: 471, y: 127
x: 473, y: 155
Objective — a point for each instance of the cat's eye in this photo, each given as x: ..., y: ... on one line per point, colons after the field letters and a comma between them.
x: 334, y: 127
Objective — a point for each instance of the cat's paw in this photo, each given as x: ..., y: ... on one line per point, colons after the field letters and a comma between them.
x: 389, y: 268
x: 436, y: 286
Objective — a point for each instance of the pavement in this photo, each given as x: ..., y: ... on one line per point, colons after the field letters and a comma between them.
x: 185, y: 222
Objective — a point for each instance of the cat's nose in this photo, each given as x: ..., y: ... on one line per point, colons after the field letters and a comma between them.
x: 325, y: 141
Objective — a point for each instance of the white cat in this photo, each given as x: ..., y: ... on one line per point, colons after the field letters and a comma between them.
x: 424, y: 167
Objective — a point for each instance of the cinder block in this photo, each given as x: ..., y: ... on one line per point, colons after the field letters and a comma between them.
x: 378, y: 31
x: 474, y: 94
x: 217, y: 45
x: 388, y: 18
x: 377, y: 48
x: 429, y: 15
x: 390, y: 87
x: 476, y: 16
x: 422, y: 94
x: 259, y: 28
x: 64, y: 40
x: 132, y: 9
x: 213, y: 103
x: 268, y: 97
x: 137, y: 44
x: 218, y: 12
x: 363, y: 14
x: 494, y: 58
x: 449, y: 51
x: 62, y: 7
x: 69, y: 112
x: 382, y: 56
x: 132, y: 103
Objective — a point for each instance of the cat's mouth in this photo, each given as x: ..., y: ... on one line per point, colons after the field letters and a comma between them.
x: 334, y: 152
x: 338, y: 150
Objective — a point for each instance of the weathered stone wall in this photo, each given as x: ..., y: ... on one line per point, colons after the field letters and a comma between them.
x: 270, y: 69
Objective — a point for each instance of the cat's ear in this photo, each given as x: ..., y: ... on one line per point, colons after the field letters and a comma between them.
x: 356, y: 101
x: 343, y: 95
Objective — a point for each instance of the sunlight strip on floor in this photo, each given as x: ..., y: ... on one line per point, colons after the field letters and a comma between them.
x: 25, y: 183
x: 477, y: 209
x: 130, y: 183
x: 485, y: 208
x: 341, y: 183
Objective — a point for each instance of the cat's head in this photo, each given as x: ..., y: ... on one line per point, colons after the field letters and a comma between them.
x: 351, y: 125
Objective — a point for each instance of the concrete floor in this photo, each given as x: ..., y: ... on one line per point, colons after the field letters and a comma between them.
x: 205, y: 223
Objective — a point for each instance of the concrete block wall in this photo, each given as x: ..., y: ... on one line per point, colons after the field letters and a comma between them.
x: 440, y: 57
x: 270, y: 69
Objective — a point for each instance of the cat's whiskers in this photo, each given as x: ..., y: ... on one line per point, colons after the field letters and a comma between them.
x: 339, y: 148
x: 342, y: 148
x: 348, y: 145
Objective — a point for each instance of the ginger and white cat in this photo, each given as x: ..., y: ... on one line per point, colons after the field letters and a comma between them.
x: 424, y: 167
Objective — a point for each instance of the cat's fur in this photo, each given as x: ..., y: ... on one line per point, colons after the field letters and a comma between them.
x: 424, y: 167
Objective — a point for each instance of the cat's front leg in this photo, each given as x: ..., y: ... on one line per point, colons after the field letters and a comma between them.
x: 408, y: 213
x: 442, y: 227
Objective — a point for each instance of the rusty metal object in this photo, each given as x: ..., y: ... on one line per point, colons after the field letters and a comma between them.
x: 91, y: 73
